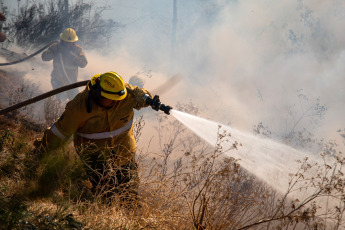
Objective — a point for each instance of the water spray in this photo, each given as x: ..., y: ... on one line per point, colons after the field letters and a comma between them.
x: 269, y: 160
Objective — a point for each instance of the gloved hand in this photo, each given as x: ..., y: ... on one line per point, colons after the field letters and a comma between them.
x: 75, y: 57
x: 139, y: 94
x: 38, y: 142
x: 54, y: 47
x: 39, y: 148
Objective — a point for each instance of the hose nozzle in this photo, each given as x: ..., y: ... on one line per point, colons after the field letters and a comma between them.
x: 156, y: 104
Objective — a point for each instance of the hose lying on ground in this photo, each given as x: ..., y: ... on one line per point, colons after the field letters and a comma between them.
x: 30, y: 56
x: 43, y: 96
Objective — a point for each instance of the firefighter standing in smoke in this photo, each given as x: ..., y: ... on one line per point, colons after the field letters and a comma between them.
x: 67, y: 56
x: 101, y: 120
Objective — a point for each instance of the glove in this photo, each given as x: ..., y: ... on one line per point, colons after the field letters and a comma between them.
x: 75, y: 57
x: 38, y: 142
x: 39, y: 148
x: 139, y: 94
x: 54, y: 47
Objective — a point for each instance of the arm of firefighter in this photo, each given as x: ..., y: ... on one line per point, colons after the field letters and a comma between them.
x: 50, y: 53
x: 79, y: 57
x: 49, y: 141
x: 62, y: 129
x: 138, y: 94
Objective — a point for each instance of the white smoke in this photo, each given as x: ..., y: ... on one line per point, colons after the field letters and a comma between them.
x: 243, y: 62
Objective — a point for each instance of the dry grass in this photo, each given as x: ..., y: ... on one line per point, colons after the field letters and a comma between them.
x: 52, y: 110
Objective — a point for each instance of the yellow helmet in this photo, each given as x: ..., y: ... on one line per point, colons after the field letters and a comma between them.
x: 69, y: 35
x: 110, y: 84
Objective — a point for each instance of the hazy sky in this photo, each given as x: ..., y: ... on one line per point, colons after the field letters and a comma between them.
x: 243, y: 62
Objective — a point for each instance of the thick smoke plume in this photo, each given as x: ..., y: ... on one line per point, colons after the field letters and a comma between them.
x: 243, y: 62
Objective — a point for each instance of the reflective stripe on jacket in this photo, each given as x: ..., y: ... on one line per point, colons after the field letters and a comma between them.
x: 111, y: 134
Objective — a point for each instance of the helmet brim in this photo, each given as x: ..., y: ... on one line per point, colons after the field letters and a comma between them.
x: 74, y: 40
x: 93, y: 79
x: 114, y: 97
x: 107, y: 95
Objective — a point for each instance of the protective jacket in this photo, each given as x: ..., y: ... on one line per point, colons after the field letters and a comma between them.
x: 109, y: 131
x: 65, y: 62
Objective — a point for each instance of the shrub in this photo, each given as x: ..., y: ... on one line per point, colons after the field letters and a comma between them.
x: 38, y: 24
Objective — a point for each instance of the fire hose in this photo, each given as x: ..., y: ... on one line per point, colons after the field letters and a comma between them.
x: 153, y: 102
x: 30, y: 56
x: 43, y: 96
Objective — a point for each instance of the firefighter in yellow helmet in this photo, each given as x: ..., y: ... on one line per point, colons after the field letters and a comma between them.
x: 67, y: 57
x: 101, y: 118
